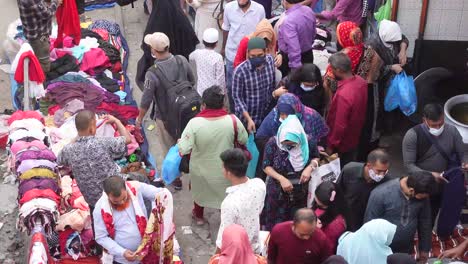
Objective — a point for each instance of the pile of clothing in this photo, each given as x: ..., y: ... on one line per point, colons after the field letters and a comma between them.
x: 38, y: 191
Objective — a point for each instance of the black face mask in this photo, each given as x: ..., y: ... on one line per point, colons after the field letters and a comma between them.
x: 244, y: 5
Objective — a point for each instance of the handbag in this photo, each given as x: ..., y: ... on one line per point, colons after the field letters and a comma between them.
x: 247, y: 153
x: 298, y: 195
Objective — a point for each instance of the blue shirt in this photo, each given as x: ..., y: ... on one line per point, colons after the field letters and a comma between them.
x: 127, y: 235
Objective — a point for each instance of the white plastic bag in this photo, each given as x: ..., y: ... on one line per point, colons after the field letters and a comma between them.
x: 107, y: 258
x: 326, y: 172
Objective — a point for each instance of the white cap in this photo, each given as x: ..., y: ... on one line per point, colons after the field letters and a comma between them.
x: 210, y: 35
x: 158, y: 41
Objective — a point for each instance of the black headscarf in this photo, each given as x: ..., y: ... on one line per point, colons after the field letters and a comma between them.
x: 167, y: 17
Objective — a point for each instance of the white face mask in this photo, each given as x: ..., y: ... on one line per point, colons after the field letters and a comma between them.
x: 307, y: 88
x: 436, y: 132
x: 374, y: 176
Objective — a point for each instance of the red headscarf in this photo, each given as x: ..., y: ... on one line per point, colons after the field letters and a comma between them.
x: 349, y: 36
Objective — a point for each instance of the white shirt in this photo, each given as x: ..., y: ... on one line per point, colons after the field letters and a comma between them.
x: 240, y: 24
x: 243, y: 205
x: 210, y: 69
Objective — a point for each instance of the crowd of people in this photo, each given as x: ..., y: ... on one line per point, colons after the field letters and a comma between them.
x: 256, y: 79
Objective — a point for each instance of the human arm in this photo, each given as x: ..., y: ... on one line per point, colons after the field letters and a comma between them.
x: 270, y: 149
x: 242, y: 134
x: 409, y: 149
x: 220, y: 75
x: 425, y: 231
x: 149, y: 192
x: 375, y: 206
x: 187, y: 139
x: 292, y: 45
x: 151, y: 82
x: 310, y: 3
x: 225, y: 27
x: 340, y: 125
x: 338, y: 10
x: 241, y: 54
x: 238, y: 94
x: 228, y: 217
x: 314, y: 159
x: 456, y: 252
x: 120, y: 127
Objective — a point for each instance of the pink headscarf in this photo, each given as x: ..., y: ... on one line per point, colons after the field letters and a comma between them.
x: 236, y: 246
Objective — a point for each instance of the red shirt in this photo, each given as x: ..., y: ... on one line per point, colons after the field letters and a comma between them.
x: 285, y: 247
x: 334, y: 229
x: 347, y: 114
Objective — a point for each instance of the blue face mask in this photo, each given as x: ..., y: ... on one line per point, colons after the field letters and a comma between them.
x: 257, y: 61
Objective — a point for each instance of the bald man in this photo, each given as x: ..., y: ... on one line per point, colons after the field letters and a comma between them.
x: 91, y: 158
x: 298, y: 241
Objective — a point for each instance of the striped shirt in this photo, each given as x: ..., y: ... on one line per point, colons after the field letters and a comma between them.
x: 252, y: 89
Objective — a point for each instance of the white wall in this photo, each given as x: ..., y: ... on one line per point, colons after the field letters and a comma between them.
x: 446, y: 20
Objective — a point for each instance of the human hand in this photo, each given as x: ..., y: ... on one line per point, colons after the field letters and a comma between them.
x: 319, y: 16
x: 329, y: 151
x: 251, y: 126
x: 129, y: 255
x: 306, y: 174
x: 465, y: 167
x: 286, y: 185
x: 439, y: 177
x: 402, y: 57
x: 319, y: 223
x: 59, y: 2
x: 454, y: 253
x: 278, y: 60
x: 280, y: 91
x: 397, y: 68
x: 110, y: 119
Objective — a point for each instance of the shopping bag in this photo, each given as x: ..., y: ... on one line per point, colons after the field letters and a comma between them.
x: 252, y: 148
x: 170, y: 167
x: 384, y: 12
x: 326, y: 172
x: 401, y: 93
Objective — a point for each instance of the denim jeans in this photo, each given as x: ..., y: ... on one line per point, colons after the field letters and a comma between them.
x: 229, y: 73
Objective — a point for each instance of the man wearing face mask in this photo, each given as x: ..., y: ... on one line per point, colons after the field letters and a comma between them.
x: 357, y: 180
x: 253, y: 85
x: 405, y: 203
x: 419, y: 154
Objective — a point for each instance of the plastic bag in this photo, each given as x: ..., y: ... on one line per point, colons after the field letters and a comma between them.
x: 252, y: 148
x: 170, y: 167
x: 384, y: 12
x: 326, y: 172
x: 401, y: 93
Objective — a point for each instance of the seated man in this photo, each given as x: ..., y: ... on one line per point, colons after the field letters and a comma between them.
x: 120, y: 217
x: 244, y: 201
x: 405, y: 203
x: 298, y: 241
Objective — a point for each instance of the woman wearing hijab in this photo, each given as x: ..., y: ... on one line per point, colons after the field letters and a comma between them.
x: 369, y: 245
x: 289, y: 160
x: 167, y: 17
x: 365, y: 62
x: 328, y: 206
x: 265, y: 31
x: 236, y: 248
x: 307, y: 84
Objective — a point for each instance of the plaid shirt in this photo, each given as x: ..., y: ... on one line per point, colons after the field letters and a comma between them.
x: 252, y: 89
x: 36, y: 17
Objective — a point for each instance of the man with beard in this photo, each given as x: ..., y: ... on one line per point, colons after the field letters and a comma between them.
x: 240, y: 19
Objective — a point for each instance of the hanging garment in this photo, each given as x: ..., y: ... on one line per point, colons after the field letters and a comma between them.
x: 18, y: 115
x: 38, y: 193
x: 68, y: 23
x: 38, y: 173
x: 20, y: 146
x: 35, y: 71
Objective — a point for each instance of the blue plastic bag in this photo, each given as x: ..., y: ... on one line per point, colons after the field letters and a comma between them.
x: 170, y: 167
x: 252, y: 148
x: 401, y: 93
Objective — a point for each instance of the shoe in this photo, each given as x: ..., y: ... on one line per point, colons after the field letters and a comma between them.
x: 177, y: 184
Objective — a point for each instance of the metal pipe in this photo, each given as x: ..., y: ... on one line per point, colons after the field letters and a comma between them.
x: 26, y: 85
x: 395, y: 4
x: 422, y: 30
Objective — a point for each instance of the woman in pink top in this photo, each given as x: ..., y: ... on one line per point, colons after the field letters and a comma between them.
x: 328, y: 207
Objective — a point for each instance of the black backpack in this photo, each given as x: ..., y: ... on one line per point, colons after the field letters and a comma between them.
x: 177, y: 101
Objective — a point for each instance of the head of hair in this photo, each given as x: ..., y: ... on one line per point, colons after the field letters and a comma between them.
x: 324, y: 194
x: 210, y: 45
x: 305, y: 215
x: 309, y: 72
x: 340, y: 61
x: 421, y: 182
x: 235, y: 161
x: 379, y: 155
x: 165, y: 50
x: 83, y: 119
x: 293, y: 1
x: 213, y: 97
x: 114, y: 186
x: 433, y: 112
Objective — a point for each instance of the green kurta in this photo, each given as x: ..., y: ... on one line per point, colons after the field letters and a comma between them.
x: 206, y: 139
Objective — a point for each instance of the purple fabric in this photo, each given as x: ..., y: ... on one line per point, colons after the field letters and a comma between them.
x: 37, y: 183
x: 297, y: 33
x: 345, y: 10
x: 31, y: 154
x: 111, y: 98
x: 64, y: 92
x: 31, y: 164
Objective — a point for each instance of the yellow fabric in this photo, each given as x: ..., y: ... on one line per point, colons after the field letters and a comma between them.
x: 85, y: 24
x: 38, y: 172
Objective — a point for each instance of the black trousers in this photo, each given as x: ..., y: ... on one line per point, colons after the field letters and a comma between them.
x: 306, y: 57
x: 80, y: 5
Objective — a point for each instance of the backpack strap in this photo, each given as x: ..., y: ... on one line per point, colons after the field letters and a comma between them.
x: 435, y: 143
x: 422, y: 143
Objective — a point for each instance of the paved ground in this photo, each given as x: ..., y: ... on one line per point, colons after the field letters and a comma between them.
x: 197, y: 242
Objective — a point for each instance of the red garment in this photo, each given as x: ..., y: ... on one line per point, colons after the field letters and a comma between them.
x: 20, y: 115
x: 285, y: 247
x: 52, y: 109
x: 38, y: 193
x: 35, y: 70
x: 207, y: 113
x: 120, y: 111
x: 95, y: 58
x: 39, y: 237
x: 349, y: 35
x: 347, y: 114
x: 334, y: 229
x: 198, y: 211
x: 68, y: 23
x: 241, y: 54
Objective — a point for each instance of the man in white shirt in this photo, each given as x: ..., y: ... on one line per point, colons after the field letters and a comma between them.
x: 208, y: 63
x: 240, y: 19
x: 245, y: 198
